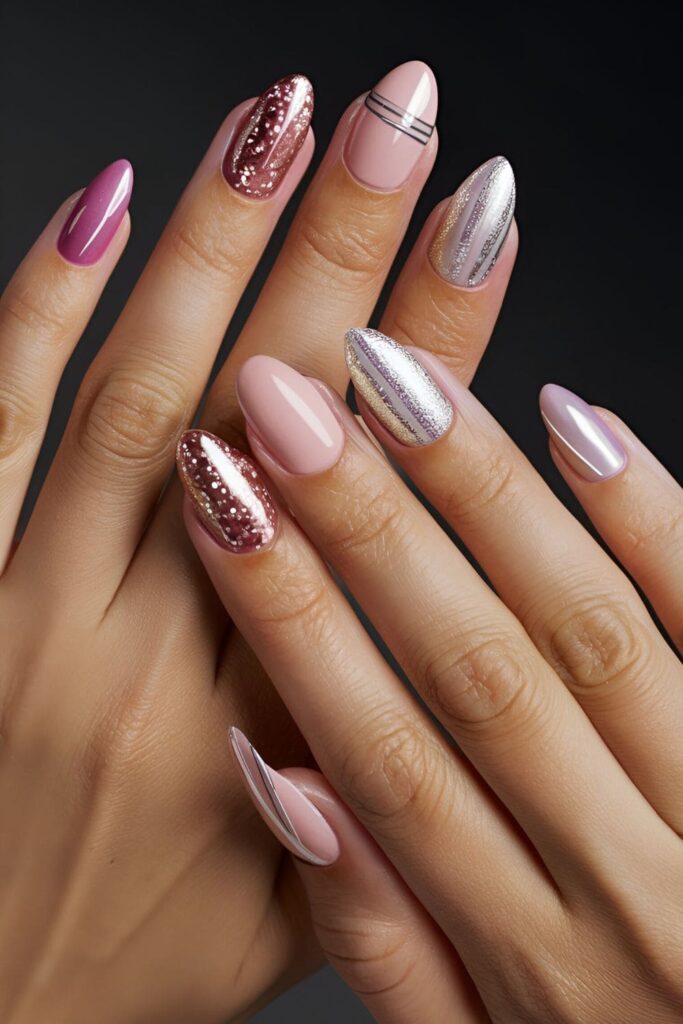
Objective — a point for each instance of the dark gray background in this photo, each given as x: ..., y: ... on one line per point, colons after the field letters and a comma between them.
x: 580, y: 99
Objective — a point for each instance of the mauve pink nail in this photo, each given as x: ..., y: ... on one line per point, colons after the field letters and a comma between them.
x: 289, y: 415
x: 397, y: 121
x: 94, y: 219
x: 290, y: 815
x: 583, y: 439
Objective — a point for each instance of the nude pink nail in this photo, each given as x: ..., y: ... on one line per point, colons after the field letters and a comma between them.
x: 289, y: 415
x: 393, y: 128
x: 290, y: 815
x: 93, y: 222
x: 580, y: 435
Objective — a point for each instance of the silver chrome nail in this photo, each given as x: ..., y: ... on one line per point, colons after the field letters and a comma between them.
x: 400, y: 392
x: 475, y: 224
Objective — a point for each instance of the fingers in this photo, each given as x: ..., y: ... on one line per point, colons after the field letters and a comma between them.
x: 148, y: 378
x: 369, y: 925
x: 639, y: 511
x: 43, y: 312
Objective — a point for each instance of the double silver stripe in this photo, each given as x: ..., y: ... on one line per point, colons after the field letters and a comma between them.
x: 396, y: 117
x: 278, y: 807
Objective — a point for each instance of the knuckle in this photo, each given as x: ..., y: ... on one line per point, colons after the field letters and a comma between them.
x: 392, y: 770
x: 294, y: 595
x: 338, y: 249
x: 21, y: 422
x: 489, y: 483
x: 370, y: 520
x: 597, y: 644
x: 133, y: 416
x: 476, y: 681
x: 435, y: 319
x: 210, y: 247
x: 41, y: 312
x: 373, y: 957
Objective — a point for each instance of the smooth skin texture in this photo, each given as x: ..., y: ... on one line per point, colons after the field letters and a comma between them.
x: 547, y: 848
x: 136, y: 881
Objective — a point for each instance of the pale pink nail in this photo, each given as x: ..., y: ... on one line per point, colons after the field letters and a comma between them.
x: 393, y: 128
x: 580, y: 435
x: 289, y: 415
x: 290, y: 815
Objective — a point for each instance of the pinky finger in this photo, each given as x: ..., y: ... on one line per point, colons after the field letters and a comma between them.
x: 634, y: 503
x: 371, y: 928
x: 43, y: 312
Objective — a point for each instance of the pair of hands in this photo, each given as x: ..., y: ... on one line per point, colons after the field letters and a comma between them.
x: 537, y: 880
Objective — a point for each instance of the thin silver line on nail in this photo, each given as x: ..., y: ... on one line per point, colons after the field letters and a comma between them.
x: 396, y: 117
x: 398, y: 389
x: 270, y: 789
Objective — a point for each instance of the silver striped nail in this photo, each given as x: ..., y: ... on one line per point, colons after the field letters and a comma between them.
x: 475, y: 224
x: 400, y: 392
x: 396, y: 117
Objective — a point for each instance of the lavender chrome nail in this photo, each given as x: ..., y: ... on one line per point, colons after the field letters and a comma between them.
x: 583, y: 439
x: 400, y: 392
x: 475, y: 225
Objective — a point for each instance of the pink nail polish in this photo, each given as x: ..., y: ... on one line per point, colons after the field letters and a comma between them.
x: 290, y: 815
x: 289, y: 415
x: 583, y: 439
x: 228, y: 491
x: 273, y: 132
x: 92, y: 223
x: 391, y: 131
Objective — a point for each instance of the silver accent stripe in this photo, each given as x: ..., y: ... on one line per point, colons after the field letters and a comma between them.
x: 274, y: 798
x: 396, y: 117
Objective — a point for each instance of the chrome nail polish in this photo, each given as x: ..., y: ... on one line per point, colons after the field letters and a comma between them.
x: 228, y: 492
x: 580, y: 435
x: 273, y: 132
x: 475, y: 225
x: 400, y: 392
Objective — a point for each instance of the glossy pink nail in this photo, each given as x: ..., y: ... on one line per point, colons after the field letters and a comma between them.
x: 272, y: 134
x: 289, y: 415
x: 290, y: 815
x: 580, y: 435
x: 396, y: 123
x: 92, y: 223
x: 228, y: 491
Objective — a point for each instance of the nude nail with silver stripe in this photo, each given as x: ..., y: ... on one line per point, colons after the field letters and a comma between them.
x: 290, y: 815
x: 397, y: 388
x: 475, y: 225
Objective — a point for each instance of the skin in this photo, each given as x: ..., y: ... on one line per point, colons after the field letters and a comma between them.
x: 136, y: 882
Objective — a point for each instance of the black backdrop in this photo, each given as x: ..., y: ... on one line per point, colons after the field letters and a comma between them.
x: 581, y: 100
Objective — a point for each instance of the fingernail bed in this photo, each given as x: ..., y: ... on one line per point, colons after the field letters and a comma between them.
x: 392, y: 129
x: 290, y: 815
x: 272, y: 134
x: 583, y: 439
x: 93, y: 222
x: 289, y: 415
x: 228, y: 492
x: 399, y: 391
x: 475, y: 225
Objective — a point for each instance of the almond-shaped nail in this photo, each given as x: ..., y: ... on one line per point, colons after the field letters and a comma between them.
x: 289, y: 415
x: 272, y: 134
x: 580, y: 435
x: 391, y: 131
x: 92, y: 223
x: 475, y: 225
x: 290, y: 815
x: 398, y: 389
x: 229, y: 493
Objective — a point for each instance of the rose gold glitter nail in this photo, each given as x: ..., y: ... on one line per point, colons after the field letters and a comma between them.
x: 272, y: 134
x: 228, y: 492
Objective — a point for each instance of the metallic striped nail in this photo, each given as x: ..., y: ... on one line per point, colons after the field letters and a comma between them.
x: 475, y: 224
x: 288, y: 812
x: 400, y: 392
x: 396, y: 117
x: 228, y: 491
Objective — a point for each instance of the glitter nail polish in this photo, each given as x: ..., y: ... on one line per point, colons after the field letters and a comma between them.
x: 396, y: 387
x: 272, y: 134
x: 475, y: 225
x: 228, y: 492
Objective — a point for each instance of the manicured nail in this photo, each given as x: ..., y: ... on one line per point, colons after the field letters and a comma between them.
x: 290, y: 815
x: 228, y: 492
x: 92, y: 223
x: 398, y: 119
x: 289, y: 415
x: 402, y: 395
x: 583, y: 439
x: 273, y: 132
x: 475, y: 224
